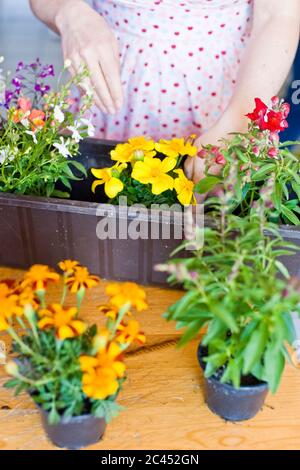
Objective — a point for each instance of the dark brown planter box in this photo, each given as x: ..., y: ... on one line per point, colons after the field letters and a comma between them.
x: 40, y: 230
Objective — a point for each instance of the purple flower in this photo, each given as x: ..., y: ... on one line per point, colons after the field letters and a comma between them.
x: 20, y: 66
x: 47, y: 71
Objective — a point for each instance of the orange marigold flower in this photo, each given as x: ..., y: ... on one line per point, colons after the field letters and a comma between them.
x: 130, y: 333
x: 9, y: 307
x: 99, y: 383
x: 101, y: 372
x: 81, y: 278
x: 68, y: 266
x: 127, y: 293
x: 38, y: 276
x: 63, y: 320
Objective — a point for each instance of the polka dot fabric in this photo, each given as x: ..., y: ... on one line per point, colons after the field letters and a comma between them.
x: 179, y: 64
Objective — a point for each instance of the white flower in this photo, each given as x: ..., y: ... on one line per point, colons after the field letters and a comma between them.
x: 4, y: 155
x: 62, y: 148
x: 89, y: 125
x: 67, y: 63
x: 32, y: 135
x: 75, y: 133
x: 58, y: 114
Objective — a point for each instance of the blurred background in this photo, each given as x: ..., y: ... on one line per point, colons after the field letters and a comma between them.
x: 23, y: 37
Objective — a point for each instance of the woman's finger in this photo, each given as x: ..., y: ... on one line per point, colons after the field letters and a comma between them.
x: 189, y: 167
x: 111, y: 72
x: 77, y: 63
x: 98, y: 81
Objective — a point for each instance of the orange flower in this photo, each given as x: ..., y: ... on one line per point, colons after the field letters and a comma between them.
x: 38, y: 276
x: 23, y: 111
x: 27, y: 297
x: 63, y: 320
x: 9, y: 307
x: 37, y: 119
x: 81, y: 278
x: 130, y: 333
x: 68, y: 266
x: 127, y: 293
x: 101, y: 372
x: 4, y: 290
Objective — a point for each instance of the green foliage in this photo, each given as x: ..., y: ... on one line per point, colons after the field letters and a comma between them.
x: 234, y: 291
x: 253, y: 169
x: 30, y: 161
x: 53, y: 376
x: 138, y: 193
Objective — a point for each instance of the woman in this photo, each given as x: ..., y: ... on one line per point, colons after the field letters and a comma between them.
x: 176, y: 67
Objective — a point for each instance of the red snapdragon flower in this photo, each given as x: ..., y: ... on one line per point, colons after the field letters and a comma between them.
x: 273, y: 120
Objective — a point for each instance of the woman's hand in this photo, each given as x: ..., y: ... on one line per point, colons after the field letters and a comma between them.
x: 87, y: 39
x: 195, y: 166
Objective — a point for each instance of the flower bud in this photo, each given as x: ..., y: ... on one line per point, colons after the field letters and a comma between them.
x: 12, y: 369
x: 273, y: 152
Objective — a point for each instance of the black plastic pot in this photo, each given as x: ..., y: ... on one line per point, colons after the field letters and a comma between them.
x: 74, y: 433
x: 230, y: 403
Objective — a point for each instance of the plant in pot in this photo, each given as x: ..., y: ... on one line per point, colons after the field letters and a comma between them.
x: 72, y: 371
x: 258, y: 154
x: 243, y: 308
x: 39, y: 134
x: 148, y: 172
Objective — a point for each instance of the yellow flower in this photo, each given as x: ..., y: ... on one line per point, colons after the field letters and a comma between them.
x: 184, y: 188
x: 38, y: 276
x: 154, y: 171
x: 81, y: 278
x: 137, y: 148
x: 176, y: 147
x: 110, y: 177
x: 101, y: 373
x: 127, y: 293
x: 63, y: 320
x: 130, y: 333
x: 68, y: 266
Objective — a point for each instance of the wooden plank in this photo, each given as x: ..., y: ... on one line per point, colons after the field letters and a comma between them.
x: 163, y: 397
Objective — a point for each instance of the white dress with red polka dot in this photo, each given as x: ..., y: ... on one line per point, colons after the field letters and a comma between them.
x: 179, y: 64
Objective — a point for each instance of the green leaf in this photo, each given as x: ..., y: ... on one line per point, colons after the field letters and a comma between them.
x: 191, y: 332
x: 263, y: 171
x: 255, y: 348
x: 277, y: 196
x: 242, y: 156
x: 79, y: 166
x: 290, y: 215
x: 206, y: 184
x: 274, y: 366
x: 60, y: 194
x: 282, y: 269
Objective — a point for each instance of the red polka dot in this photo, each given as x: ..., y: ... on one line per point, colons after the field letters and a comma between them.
x: 176, y: 85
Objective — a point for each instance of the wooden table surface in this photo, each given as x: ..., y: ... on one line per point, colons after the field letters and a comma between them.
x: 163, y: 398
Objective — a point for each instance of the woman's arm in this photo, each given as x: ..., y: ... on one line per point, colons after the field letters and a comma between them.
x: 268, y: 59
x: 86, y: 38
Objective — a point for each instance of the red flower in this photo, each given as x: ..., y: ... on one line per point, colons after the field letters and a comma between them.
x: 273, y: 120
x: 259, y: 112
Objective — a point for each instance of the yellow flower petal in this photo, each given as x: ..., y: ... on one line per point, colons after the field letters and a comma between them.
x: 113, y: 187
x: 162, y: 184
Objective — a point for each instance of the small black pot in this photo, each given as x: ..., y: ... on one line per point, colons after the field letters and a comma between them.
x: 231, y: 403
x: 74, y: 433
